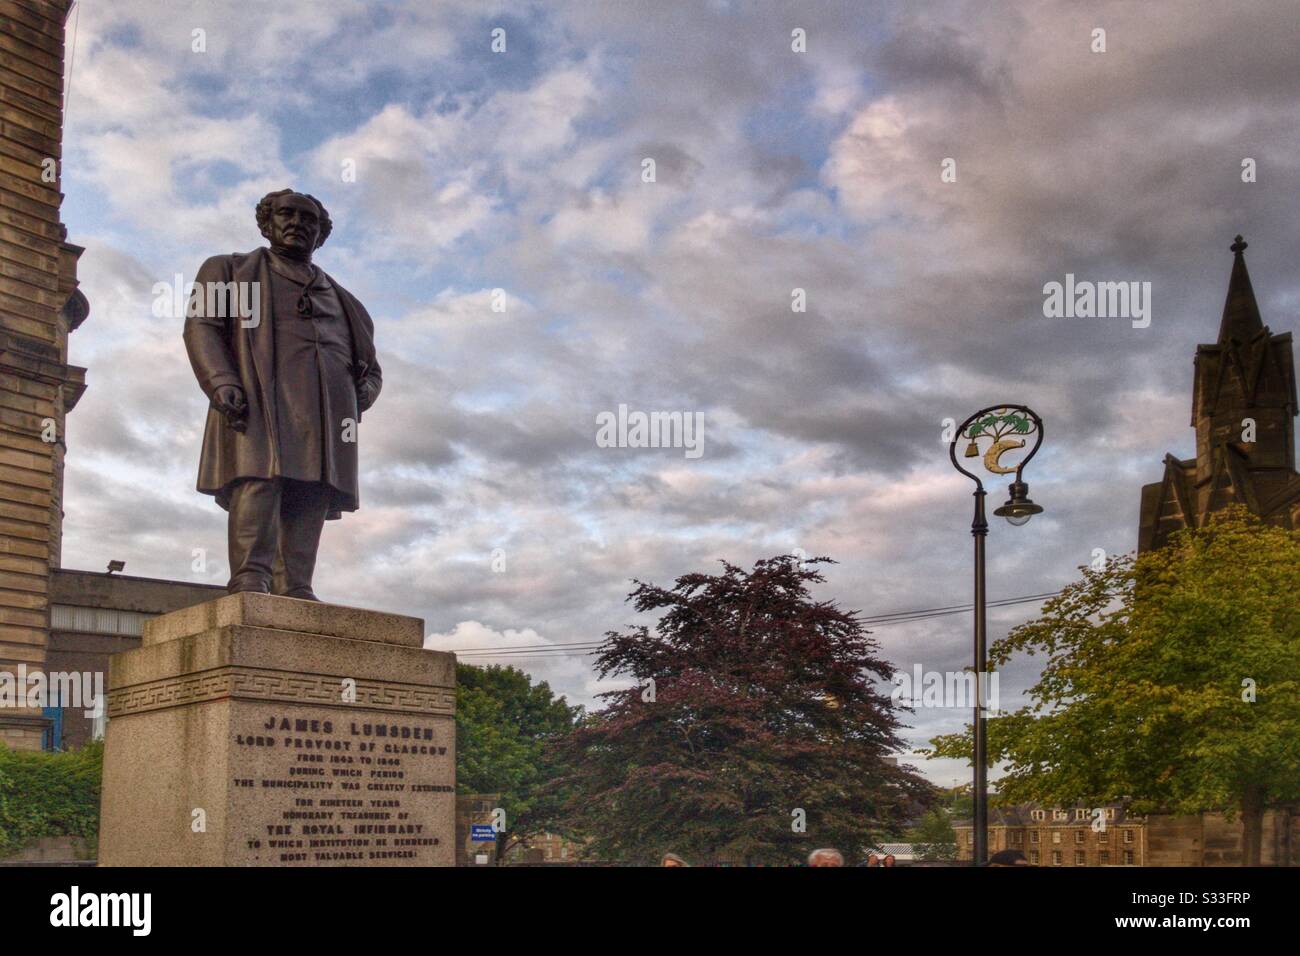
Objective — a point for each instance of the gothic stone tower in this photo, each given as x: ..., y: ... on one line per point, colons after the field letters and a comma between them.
x: 1243, y: 410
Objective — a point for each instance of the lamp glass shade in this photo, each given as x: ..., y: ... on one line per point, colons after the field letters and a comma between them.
x: 1018, y: 511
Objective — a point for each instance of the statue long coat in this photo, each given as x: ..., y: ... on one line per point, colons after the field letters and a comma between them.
x: 223, y: 351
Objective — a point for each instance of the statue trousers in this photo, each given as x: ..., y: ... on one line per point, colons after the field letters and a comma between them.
x: 274, y: 532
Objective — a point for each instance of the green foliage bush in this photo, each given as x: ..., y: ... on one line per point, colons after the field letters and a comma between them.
x: 49, y: 795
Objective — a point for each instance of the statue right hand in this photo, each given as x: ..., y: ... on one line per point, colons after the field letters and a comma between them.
x: 229, y: 400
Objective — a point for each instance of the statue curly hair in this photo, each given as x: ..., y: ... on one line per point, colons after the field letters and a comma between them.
x: 268, y: 201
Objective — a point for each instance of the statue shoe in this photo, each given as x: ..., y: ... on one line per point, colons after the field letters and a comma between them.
x: 251, y: 584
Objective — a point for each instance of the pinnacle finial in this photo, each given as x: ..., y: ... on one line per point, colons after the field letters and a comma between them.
x: 1241, y: 319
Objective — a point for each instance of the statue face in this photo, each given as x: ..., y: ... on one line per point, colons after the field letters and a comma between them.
x: 295, y: 224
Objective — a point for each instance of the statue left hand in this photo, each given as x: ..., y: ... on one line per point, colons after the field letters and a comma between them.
x: 365, y: 395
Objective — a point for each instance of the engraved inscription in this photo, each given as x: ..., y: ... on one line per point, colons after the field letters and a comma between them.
x: 321, y: 787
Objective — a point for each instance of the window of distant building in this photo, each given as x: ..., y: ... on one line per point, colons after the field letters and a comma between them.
x: 1103, y: 836
x: 1128, y: 857
x: 1110, y: 813
x: 1056, y: 836
x: 1060, y: 815
x: 1128, y: 836
x: 1037, y: 814
x: 1078, y: 836
x: 1080, y: 858
x: 1103, y: 857
x: 1081, y: 813
x: 1034, y: 836
x: 1033, y: 857
x: 1056, y: 858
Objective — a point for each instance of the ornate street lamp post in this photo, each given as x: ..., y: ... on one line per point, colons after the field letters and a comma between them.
x: 1009, y: 427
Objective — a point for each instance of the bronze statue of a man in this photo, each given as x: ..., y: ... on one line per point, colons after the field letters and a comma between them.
x: 286, y: 356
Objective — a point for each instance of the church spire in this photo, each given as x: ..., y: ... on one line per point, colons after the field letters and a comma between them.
x: 1243, y: 409
x: 1241, y: 319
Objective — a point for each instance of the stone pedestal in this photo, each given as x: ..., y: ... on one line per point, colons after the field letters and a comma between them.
x: 266, y: 731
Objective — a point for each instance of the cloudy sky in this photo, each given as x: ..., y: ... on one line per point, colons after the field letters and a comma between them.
x: 775, y: 170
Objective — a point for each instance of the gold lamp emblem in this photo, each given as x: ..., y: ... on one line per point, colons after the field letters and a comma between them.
x: 995, y: 452
x: 1002, y: 426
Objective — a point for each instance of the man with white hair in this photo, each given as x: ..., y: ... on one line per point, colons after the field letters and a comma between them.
x: 826, y: 856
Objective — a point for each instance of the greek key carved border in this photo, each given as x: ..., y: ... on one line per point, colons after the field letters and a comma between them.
x: 249, y: 683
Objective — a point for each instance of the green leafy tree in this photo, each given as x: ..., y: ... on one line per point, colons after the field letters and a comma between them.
x: 504, y: 724
x: 1172, y: 678
x: 933, y: 838
x: 752, y: 730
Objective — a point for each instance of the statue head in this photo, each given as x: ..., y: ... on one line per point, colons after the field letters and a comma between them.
x: 296, y: 224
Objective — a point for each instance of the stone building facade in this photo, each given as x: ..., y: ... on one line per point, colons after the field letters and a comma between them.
x: 93, y: 616
x: 51, y: 619
x: 546, y: 848
x: 1075, y: 836
x: 39, y: 307
x: 1063, y: 836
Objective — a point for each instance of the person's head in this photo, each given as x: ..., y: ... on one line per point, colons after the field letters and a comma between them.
x: 826, y: 856
x: 873, y: 860
x: 1008, y: 858
x: 672, y: 859
x: 889, y: 860
x: 295, y: 224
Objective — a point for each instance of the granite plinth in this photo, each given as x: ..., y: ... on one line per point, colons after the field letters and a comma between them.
x: 286, y: 614
x: 256, y: 730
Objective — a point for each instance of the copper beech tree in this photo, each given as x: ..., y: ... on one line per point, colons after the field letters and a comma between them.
x: 1171, y: 679
x: 752, y: 730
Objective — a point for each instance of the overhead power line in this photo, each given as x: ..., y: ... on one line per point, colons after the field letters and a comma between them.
x: 588, y: 648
